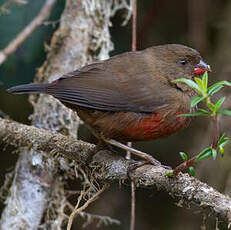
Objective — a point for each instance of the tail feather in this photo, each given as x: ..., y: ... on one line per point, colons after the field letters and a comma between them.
x: 28, y: 88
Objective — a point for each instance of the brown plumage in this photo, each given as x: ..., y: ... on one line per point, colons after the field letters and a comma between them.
x: 130, y: 97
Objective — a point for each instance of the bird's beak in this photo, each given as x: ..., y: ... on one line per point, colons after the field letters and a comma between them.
x: 201, y: 68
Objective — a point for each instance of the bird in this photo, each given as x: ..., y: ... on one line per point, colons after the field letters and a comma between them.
x: 131, y: 96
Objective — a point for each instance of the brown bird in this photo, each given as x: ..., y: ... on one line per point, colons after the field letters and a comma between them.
x: 131, y: 96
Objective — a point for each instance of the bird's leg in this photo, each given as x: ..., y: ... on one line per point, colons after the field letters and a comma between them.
x: 148, y: 158
x: 143, y: 155
x: 104, y: 145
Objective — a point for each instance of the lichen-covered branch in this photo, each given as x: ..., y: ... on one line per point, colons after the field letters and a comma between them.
x: 17, y: 134
x: 108, y: 166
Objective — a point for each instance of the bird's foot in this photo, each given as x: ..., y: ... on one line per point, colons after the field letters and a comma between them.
x: 135, y: 165
x: 101, y: 145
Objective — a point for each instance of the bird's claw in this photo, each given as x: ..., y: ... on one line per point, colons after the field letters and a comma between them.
x: 133, y: 166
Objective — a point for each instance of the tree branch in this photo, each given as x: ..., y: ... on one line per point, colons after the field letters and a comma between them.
x: 27, y: 31
x: 107, y: 166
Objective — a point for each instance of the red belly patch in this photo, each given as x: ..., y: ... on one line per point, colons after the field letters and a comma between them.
x: 153, y: 126
x: 144, y: 128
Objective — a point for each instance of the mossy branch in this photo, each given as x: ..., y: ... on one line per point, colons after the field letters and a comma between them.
x: 109, y: 167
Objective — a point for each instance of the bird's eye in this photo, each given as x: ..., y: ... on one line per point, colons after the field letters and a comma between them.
x: 183, y: 62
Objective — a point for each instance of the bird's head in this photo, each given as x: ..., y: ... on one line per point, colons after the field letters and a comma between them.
x: 179, y: 61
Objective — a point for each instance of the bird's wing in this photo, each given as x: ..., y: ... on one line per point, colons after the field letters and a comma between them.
x: 111, y: 88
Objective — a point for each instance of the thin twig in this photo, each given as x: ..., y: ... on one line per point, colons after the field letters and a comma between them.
x: 133, y: 195
x: 133, y: 192
x: 77, y: 210
x: 134, y: 19
x: 216, y: 132
x: 27, y: 31
x: 184, y: 165
x: 133, y: 206
x: 74, y: 212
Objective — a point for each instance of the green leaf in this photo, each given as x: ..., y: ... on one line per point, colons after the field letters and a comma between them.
x: 195, y: 100
x: 183, y: 156
x: 211, y: 106
x: 223, y: 138
x: 219, y: 103
x: 214, y: 153
x: 199, y: 82
x: 169, y: 174
x: 205, y: 80
x: 223, y: 141
x: 191, y: 171
x: 214, y: 89
x: 225, y: 112
x: 190, y: 83
x: 225, y: 83
x: 193, y: 114
x: 206, y: 112
x: 221, y: 149
x: 217, y: 86
x: 204, y: 154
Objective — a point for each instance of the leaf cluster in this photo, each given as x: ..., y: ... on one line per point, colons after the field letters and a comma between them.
x: 205, y: 92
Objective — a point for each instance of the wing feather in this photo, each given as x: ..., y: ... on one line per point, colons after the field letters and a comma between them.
x: 111, y: 87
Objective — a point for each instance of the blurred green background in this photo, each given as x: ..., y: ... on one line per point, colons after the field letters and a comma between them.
x: 201, y: 24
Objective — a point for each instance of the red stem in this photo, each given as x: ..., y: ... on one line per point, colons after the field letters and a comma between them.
x: 190, y: 162
x: 216, y: 133
x: 184, y: 165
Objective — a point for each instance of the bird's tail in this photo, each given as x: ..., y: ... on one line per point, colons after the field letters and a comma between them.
x: 29, y: 88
